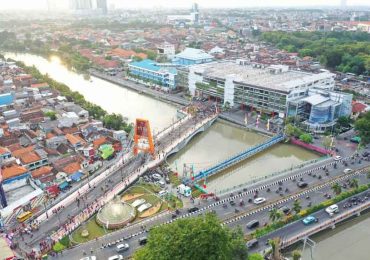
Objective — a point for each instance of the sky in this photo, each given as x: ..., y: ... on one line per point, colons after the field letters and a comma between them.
x: 63, y: 4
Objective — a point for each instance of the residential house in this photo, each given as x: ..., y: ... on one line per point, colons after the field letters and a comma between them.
x: 44, y: 174
x: 75, y: 141
x: 4, y: 153
x: 14, y: 172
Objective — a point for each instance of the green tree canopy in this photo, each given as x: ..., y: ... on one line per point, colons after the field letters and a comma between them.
x: 307, y: 138
x: 362, y: 125
x: 193, y: 238
x: 255, y: 256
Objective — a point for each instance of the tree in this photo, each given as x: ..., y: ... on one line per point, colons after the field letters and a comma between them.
x: 275, y: 215
x: 362, y: 125
x: 297, y: 206
x: 353, y: 183
x: 289, y: 130
x: 51, y: 115
x: 307, y: 138
x: 296, y: 255
x: 344, y: 121
x: 255, y: 256
x: 336, y: 188
x: 326, y: 142
x: 193, y: 238
x: 275, y: 245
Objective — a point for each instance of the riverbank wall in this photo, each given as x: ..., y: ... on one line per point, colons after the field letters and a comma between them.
x: 177, y: 101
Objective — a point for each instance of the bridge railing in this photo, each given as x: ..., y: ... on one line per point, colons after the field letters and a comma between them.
x: 274, y: 174
x: 239, y: 157
x: 325, y: 224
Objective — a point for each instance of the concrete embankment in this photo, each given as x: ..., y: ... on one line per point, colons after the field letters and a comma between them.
x: 142, y: 89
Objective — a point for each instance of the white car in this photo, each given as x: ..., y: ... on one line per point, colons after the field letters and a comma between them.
x: 122, y: 247
x: 332, y: 209
x: 116, y: 257
x: 162, y: 193
x: 259, y: 200
x: 89, y: 258
x: 156, y: 176
x: 337, y: 158
x: 348, y: 170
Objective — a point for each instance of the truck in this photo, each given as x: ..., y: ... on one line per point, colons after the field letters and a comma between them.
x: 184, y: 190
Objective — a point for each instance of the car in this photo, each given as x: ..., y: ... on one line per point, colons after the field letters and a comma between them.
x: 232, y: 203
x: 259, y: 200
x: 253, y: 224
x: 332, y: 209
x: 89, y: 258
x: 156, y: 176
x: 337, y: 158
x: 116, y: 257
x: 309, y: 220
x: 162, y: 193
x: 348, y: 170
x: 285, y: 210
x: 252, y: 243
x: 193, y: 209
x: 162, y: 183
x: 122, y: 247
x: 365, y: 154
x: 143, y: 240
x: 302, y: 184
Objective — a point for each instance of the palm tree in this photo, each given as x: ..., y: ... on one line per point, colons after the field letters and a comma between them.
x: 275, y: 215
x: 297, y: 206
x: 353, y: 183
x: 275, y: 246
x: 336, y: 188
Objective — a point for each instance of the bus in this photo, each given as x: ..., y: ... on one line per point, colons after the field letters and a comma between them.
x: 24, y: 216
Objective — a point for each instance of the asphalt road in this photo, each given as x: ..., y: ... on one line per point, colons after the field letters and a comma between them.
x: 135, y: 231
x: 296, y: 228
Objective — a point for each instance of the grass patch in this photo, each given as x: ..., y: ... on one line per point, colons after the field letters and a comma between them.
x: 175, y: 180
x: 94, y: 231
x: 173, y: 202
x: 164, y: 206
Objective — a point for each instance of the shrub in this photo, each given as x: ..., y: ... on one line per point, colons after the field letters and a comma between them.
x: 58, y: 247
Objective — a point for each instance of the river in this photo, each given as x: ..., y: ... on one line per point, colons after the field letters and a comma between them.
x: 217, y: 143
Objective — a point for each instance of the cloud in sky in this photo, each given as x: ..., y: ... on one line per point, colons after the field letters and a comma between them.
x: 42, y: 4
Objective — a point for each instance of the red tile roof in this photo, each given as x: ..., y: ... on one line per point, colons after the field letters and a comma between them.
x: 358, y: 107
x: 74, y: 139
x: 13, y: 171
x: 40, y: 85
x: 4, y: 150
x: 29, y: 157
x: 42, y: 171
x: 19, y: 152
x: 72, y: 168
x: 98, y: 142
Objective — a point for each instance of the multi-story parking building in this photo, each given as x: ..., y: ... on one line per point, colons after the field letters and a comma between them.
x: 267, y: 88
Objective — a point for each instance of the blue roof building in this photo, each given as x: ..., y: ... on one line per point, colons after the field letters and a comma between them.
x: 191, y: 56
x: 150, y: 71
x: 6, y: 99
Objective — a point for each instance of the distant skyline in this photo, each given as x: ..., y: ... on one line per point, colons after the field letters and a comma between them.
x: 63, y: 4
